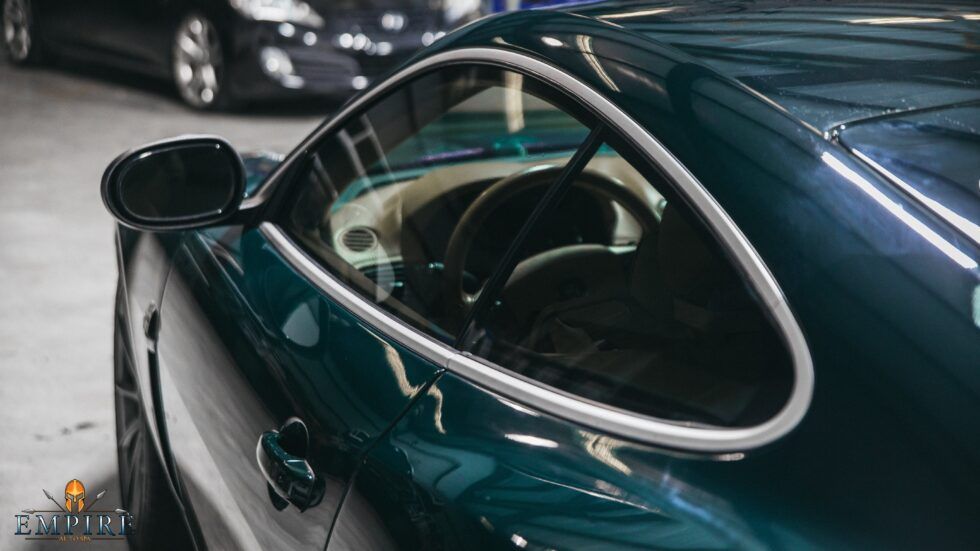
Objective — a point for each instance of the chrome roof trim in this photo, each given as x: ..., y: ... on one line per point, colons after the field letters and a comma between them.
x: 965, y: 226
x: 619, y: 422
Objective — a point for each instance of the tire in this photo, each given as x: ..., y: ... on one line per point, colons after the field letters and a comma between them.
x: 145, y: 490
x: 20, y: 36
x: 197, y: 64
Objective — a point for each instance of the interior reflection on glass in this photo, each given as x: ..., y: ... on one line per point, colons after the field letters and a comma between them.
x: 383, y: 194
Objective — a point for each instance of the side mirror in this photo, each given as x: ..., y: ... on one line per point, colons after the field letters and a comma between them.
x: 176, y: 184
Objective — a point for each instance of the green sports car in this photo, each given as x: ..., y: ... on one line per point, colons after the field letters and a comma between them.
x: 609, y: 276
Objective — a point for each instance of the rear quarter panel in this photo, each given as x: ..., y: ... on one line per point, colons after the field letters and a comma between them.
x: 887, y: 454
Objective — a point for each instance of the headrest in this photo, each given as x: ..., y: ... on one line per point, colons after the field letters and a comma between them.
x: 691, y: 270
x: 646, y: 284
x: 707, y: 292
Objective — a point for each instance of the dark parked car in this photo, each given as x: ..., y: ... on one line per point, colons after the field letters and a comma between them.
x: 616, y: 276
x: 219, y: 52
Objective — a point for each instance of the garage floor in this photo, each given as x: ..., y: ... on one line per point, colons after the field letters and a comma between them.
x: 59, y: 128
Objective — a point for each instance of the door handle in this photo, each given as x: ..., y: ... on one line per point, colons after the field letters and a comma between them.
x: 281, y: 455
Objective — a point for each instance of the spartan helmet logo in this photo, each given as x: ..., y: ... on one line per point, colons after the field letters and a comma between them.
x: 75, y: 496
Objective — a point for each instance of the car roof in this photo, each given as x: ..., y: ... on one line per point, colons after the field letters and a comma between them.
x: 829, y: 67
x: 827, y: 63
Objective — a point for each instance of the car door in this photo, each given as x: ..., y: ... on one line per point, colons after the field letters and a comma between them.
x: 245, y: 345
x: 270, y: 366
x: 145, y: 31
x: 595, y: 391
x: 72, y: 24
x: 135, y: 34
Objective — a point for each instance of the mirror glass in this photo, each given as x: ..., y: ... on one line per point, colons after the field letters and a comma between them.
x: 181, y: 182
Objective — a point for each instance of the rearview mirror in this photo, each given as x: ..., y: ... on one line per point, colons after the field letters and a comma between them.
x: 176, y: 184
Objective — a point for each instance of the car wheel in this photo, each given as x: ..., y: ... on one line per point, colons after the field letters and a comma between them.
x: 20, y: 32
x: 146, y: 492
x: 198, y: 64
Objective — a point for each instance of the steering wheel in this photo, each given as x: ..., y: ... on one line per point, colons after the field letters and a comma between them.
x: 459, y: 301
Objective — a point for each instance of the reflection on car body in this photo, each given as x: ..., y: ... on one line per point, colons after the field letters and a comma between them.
x: 700, y: 298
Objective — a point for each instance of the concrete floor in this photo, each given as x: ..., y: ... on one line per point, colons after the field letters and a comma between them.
x: 59, y: 128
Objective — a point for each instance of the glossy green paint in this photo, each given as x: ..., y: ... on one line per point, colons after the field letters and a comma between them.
x: 933, y: 152
x: 258, y: 165
x: 490, y: 473
x: 824, y: 63
x: 245, y: 344
x: 884, y: 291
x: 888, y: 453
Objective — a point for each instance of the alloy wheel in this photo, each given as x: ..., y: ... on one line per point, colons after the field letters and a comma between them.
x: 197, y: 61
x: 17, y: 29
x: 130, y: 427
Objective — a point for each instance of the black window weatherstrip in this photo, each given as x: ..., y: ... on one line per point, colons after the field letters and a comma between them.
x: 498, y: 379
x: 549, y: 201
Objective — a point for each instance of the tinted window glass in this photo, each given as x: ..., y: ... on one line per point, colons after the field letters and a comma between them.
x: 381, y: 198
x: 644, y: 313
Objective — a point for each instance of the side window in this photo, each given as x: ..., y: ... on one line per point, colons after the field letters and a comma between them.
x: 380, y: 199
x: 644, y: 312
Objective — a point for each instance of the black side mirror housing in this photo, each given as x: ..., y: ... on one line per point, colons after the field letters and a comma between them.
x: 177, y: 184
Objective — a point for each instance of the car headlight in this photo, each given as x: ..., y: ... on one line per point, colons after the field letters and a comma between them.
x: 457, y: 11
x: 282, y: 11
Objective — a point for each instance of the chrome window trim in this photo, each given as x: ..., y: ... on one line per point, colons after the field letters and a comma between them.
x: 498, y: 379
x: 406, y: 335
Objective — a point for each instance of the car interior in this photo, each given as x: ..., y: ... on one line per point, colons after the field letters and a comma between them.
x: 620, y: 294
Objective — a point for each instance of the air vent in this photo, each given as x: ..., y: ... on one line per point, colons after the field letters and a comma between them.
x: 359, y: 239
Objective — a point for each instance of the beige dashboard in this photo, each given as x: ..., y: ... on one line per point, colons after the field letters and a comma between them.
x: 367, y: 231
